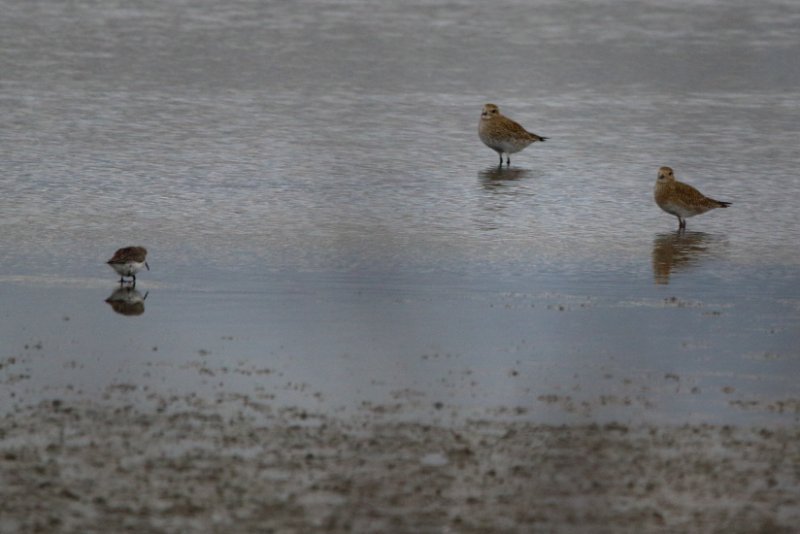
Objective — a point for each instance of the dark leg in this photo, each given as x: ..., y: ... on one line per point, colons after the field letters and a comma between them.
x: 501, y: 158
x: 121, y: 280
x: 133, y: 283
x: 681, y: 223
x: 508, y: 160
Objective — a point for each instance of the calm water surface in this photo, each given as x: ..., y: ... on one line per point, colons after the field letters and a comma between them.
x: 308, y: 180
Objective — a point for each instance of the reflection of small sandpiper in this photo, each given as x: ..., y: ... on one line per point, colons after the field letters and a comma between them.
x: 680, y: 199
x: 127, y: 301
x: 128, y: 261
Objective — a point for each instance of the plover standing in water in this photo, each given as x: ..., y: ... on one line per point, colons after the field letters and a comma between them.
x: 128, y: 261
x: 680, y: 199
x: 503, y: 135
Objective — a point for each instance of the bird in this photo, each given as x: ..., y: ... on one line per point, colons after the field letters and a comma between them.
x: 127, y: 261
x: 680, y: 199
x: 503, y: 135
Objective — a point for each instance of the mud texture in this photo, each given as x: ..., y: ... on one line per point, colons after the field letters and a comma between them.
x: 86, y: 467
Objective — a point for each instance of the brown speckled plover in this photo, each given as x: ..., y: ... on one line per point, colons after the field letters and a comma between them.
x: 680, y: 199
x: 503, y: 135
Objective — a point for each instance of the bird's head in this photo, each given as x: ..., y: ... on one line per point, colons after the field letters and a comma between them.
x: 489, y: 111
x: 665, y: 174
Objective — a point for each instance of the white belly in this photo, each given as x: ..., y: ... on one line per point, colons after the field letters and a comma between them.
x: 127, y: 269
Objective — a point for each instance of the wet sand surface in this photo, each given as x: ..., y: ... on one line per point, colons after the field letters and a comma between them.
x: 251, y: 425
x: 88, y: 467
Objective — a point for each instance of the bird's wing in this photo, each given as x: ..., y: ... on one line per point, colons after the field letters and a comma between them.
x: 690, y: 196
x: 128, y: 254
x: 515, y: 128
x: 530, y: 134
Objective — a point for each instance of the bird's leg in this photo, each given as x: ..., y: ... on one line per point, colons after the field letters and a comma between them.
x: 501, y: 158
x: 681, y: 223
x: 121, y: 280
x: 508, y: 160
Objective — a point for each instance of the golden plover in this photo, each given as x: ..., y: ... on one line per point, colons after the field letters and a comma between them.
x: 682, y: 200
x: 503, y: 135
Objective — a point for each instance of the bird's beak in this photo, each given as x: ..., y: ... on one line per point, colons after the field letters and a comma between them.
x: 148, y: 267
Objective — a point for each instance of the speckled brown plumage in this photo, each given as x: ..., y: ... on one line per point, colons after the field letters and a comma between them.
x: 502, y: 134
x: 680, y: 199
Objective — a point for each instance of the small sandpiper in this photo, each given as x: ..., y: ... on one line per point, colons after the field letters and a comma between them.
x: 128, y: 261
x: 503, y: 135
x: 680, y: 199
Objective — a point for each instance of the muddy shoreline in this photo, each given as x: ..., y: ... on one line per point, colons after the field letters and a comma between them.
x: 86, y: 466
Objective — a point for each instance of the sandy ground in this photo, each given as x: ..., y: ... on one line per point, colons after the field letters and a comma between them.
x: 86, y: 466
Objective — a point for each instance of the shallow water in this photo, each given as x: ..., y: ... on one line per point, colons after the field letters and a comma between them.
x: 318, y: 208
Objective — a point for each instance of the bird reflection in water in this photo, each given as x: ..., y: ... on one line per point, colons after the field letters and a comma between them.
x: 127, y: 301
x: 495, y: 176
x: 676, y: 251
x: 498, y: 193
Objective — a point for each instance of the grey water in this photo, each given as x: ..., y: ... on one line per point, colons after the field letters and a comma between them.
x: 322, y: 218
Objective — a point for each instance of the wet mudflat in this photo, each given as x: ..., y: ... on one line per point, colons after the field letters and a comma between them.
x: 264, y: 422
x: 78, y: 467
